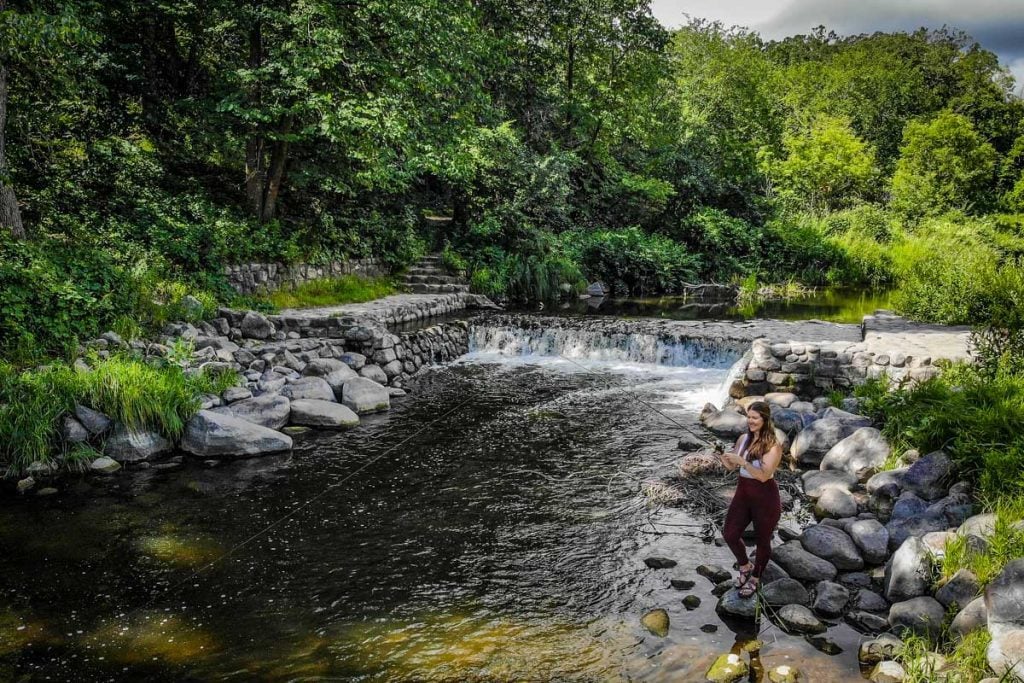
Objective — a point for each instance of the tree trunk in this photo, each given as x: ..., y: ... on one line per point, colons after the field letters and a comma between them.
x: 275, y: 173
x: 255, y: 170
x: 10, y: 216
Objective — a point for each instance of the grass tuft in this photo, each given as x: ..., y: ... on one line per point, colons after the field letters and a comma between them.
x: 348, y: 289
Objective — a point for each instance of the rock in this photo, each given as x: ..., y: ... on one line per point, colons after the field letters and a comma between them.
x: 902, y: 529
x: 784, y: 673
x: 832, y: 544
x: 871, y: 538
x: 861, y: 454
x: 714, y: 573
x: 869, y: 601
x: 691, y: 602
x: 321, y: 367
x: 855, y: 580
x: 935, y: 542
x: 1005, y: 654
x: 773, y: 572
x: 129, y: 445
x: 887, y: 672
x: 690, y: 443
x: 789, y: 421
x: 338, y: 378
x: 72, y: 431
x: 47, y: 491
x: 784, y: 592
x: 824, y: 644
x: 269, y: 410
x: 783, y: 399
x: 851, y: 404
x: 256, y: 326
x: 322, y: 414
x: 883, y: 648
x: 657, y: 622
x: 817, y: 482
x: 40, y: 469
x: 96, y: 422
x: 210, y: 434
x: 799, y: 619
x: 846, y: 417
x: 733, y: 605
x: 982, y: 526
x: 236, y: 394
x: 727, y: 668
x: 394, y: 392
x: 104, y: 465
x: 835, y: 503
x: 908, y: 573
x: 723, y: 423
x: 365, y: 396
x: 1004, y: 597
x: 888, y: 483
x: 682, y: 584
x: 597, y: 289
x: 930, y: 476
x: 788, y: 532
x: 26, y: 484
x: 374, y: 373
x: 922, y: 615
x: 723, y: 587
x: 356, y: 361
x: 709, y: 628
x: 971, y: 618
x: 660, y: 563
x: 801, y: 564
x: 315, y: 388
x: 817, y: 439
x: 830, y: 599
x: 866, y: 622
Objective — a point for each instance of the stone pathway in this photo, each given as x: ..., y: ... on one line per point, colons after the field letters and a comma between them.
x: 429, y: 276
x: 394, y: 309
x: 885, y: 332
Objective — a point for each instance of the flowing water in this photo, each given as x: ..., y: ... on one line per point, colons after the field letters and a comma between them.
x: 489, y: 528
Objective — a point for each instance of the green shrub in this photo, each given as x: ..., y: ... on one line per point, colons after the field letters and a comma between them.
x: 632, y: 262
x: 727, y: 246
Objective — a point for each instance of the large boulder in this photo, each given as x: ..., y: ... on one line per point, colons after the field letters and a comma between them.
x: 723, y: 423
x: 982, y: 526
x: 971, y: 618
x: 830, y: 599
x: 872, y: 539
x: 732, y: 604
x: 1005, y: 654
x: 789, y: 421
x: 307, y: 412
x: 832, y: 544
x: 1004, y: 596
x: 209, y: 434
x: 782, y: 399
x: 269, y: 410
x: 816, y: 482
x: 869, y: 601
x: 365, y: 396
x: 902, y: 529
x: 817, y: 439
x: 801, y: 564
x: 929, y: 477
x: 315, y: 388
x: 835, y: 504
x: 96, y: 422
x: 908, y: 573
x: 922, y: 615
x: 785, y: 592
x: 72, y: 431
x: 861, y: 454
x: 960, y: 590
x: 849, y: 418
x: 256, y: 326
x: 374, y: 373
x: 134, y: 445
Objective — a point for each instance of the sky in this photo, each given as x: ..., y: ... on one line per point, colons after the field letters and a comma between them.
x: 997, y: 24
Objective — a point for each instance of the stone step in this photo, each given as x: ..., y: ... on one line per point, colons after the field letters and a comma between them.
x: 417, y: 270
x: 433, y: 279
x: 423, y: 288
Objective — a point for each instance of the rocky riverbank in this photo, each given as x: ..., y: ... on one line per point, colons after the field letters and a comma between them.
x: 871, y: 556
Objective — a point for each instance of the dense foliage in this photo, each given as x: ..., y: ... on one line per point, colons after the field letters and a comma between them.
x: 149, y: 144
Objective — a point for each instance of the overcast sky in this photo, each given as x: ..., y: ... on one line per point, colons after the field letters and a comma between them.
x: 997, y: 24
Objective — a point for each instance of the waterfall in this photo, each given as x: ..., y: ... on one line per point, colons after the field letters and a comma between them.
x: 604, y: 346
x: 735, y: 372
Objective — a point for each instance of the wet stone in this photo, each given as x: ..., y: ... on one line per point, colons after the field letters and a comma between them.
x: 691, y: 602
x: 714, y: 572
x: 660, y: 562
x: 880, y: 649
x: 709, y: 628
x: 824, y: 644
x: 799, y: 619
x: 657, y: 622
x: 682, y: 584
x: 728, y: 668
x: 866, y: 622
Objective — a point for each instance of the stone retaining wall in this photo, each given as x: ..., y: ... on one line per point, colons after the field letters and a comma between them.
x: 252, y: 278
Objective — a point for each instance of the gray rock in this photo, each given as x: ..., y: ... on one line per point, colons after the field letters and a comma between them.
x: 801, y: 564
x: 872, y: 539
x: 843, y: 416
x: 659, y: 563
x: 682, y: 584
x: 982, y: 526
x: 888, y: 672
x: 773, y: 572
x: 714, y: 573
x: 688, y: 443
x: 866, y: 622
x: 315, y: 388
x: 835, y: 503
x: 25, y: 484
x: 397, y: 393
x: 902, y: 529
x: 960, y: 590
x: 830, y: 599
x: 821, y: 403
x: 784, y: 592
x: 723, y: 423
x: 884, y: 648
x: 930, y: 476
x: 783, y: 399
x: 129, y: 445
x: 971, y: 618
x: 104, y: 465
x: 356, y: 361
x: 817, y: 482
x: 733, y: 605
x: 691, y: 602
x: 1005, y: 653
x: 236, y: 394
x: 269, y: 410
x: 922, y: 616
x: 832, y: 544
x: 851, y: 404
x: 888, y: 483
x: 869, y: 601
x: 365, y: 396
x: 907, y: 506
x: 907, y: 574
x: 256, y: 326
x: 789, y: 421
x: 72, y: 431
x: 374, y: 373
x: 321, y: 367
x: 96, y: 422
x: 1004, y: 596
x: 799, y: 619
x: 861, y: 454
x: 817, y: 439
x: 210, y: 434
x: 323, y: 414
x: 855, y: 580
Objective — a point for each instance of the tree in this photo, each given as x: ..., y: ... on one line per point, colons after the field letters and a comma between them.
x: 944, y: 164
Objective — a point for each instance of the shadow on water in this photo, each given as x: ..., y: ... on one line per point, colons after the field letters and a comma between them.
x: 504, y: 543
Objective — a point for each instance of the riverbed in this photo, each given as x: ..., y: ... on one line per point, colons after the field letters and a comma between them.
x: 491, y: 527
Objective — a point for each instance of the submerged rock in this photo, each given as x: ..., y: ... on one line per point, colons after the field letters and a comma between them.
x: 728, y: 668
x: 883, y: 648
x: 130, y: 445
x: 657, y: 622
x: 799, y: 619
x: 660, y: 562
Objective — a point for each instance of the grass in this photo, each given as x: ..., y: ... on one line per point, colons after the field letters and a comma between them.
x: 965, y: 660
x: 348, y: 289
x: 128, y: 390
x: 1007, y: 543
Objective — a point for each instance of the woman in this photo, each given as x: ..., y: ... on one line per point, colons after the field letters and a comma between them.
x: 757, y: 455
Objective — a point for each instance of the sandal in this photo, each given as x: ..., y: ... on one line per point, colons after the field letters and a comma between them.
x: 749, y: 588
x: 744, y: 576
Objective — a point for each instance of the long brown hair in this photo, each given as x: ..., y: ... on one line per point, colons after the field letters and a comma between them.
x: 756, y: 446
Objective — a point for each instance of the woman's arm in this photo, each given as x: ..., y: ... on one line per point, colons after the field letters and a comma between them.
x: 769, y: 463
x: 725, y: 458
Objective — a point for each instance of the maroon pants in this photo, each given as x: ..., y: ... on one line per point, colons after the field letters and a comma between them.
x: 759, y: 502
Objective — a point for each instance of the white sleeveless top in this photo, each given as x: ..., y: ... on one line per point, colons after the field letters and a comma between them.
x: 753, y: 463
